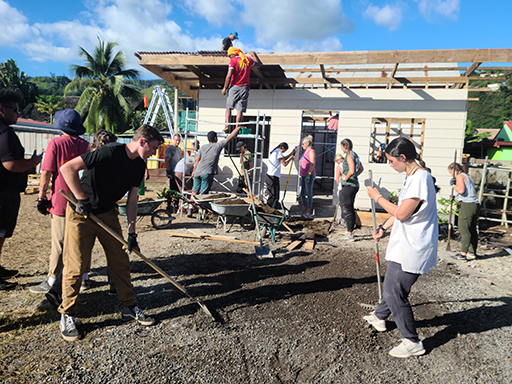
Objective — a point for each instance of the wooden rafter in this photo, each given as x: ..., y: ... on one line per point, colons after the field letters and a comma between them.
x: 392, y: 75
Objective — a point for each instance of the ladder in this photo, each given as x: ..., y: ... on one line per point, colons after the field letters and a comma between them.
x: 162, y: 100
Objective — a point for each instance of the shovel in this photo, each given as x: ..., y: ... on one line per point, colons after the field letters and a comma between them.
x: 377, y: 261
x: 286, y: 188
x: 73, y: 201
x: 262, y: 251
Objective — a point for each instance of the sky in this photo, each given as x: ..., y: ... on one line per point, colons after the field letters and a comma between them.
x: 44, y: 37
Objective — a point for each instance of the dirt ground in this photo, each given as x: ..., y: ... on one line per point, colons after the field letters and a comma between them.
x: 294, y: 318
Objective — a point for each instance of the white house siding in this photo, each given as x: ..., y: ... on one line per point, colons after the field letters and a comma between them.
x: 444, y: 111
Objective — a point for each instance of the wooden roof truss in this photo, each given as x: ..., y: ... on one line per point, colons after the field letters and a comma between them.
x: 365, y: 69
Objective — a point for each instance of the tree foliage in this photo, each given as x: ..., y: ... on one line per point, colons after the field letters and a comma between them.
x: 492, y: 109
x: 104, y: 99
x: 51, y: 85
x: 11, y: 77
x: 50, y: 104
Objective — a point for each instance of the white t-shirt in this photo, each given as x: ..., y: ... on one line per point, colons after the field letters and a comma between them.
x: 413, y: 242
x: 274, y: 163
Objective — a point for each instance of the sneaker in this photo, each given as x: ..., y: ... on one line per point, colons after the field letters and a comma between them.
x: 68, y: 328
x: 459, y: 257
x: 7, y: 273
x: 408, y: 348
x: 54, y: 298
x: 40, y: 288
x: 379, y: 325
x: 112, y: 291
x: 471, y: 256
x: 134, y: 313
x: 86, y: 284
x: 6, y: 285
x: 348, y: 237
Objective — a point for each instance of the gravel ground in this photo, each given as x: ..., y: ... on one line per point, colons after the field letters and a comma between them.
x: 295, y: 318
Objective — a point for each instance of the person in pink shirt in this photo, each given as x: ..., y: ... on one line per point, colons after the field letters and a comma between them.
x: 307, y: 175
x: 236, y: 85
x: 59, y: 151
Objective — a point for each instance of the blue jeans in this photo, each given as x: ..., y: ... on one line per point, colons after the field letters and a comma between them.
x: 306, y: 191
x: 202, y: 184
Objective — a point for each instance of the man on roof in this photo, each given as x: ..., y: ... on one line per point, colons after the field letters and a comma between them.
x: 236, y: 85
x: 228, y: 41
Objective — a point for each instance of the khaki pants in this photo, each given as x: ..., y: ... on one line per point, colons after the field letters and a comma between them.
x: 58, y: 225
x: 79, y: 239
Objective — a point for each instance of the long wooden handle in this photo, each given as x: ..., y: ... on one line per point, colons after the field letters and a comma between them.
x: 206, y: 237
x: 93, y: 217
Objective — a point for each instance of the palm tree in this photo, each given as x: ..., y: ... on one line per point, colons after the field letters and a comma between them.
x: 104, y: 97
x: 49, y: 104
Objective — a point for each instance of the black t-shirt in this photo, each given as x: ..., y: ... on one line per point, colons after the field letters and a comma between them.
x: 11, y: 150
x: 226, y: 43
x: 109, y: 175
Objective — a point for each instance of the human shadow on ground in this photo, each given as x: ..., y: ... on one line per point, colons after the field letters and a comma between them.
x: 474, y: 320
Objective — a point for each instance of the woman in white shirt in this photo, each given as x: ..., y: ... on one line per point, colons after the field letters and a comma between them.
x: 412, y: 248
x: 275, y: 160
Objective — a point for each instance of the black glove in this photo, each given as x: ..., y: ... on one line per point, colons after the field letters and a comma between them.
x: 83, y: 207
x: 132, y: 242
x: 453, y: 181
x: 43, y: 205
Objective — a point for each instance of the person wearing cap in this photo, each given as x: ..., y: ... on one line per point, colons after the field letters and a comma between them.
x: 236, y: 84
x: 13, y: 174
x: 58, y: 152
x: 228, y: 41
x: 207, y: 161
x: 247, y: 162
x: 380, y: 157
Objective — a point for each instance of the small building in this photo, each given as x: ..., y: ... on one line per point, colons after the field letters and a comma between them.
x: 501, y: 148
x: 379, y: 95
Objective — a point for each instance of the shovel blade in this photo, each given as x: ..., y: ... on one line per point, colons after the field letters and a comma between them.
x: 263, y: 252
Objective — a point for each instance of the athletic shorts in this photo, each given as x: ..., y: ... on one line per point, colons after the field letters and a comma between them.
x: 9, y: 208
x: 237, y: 98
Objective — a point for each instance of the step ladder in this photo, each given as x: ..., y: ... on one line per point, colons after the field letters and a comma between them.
x: 162, y: 100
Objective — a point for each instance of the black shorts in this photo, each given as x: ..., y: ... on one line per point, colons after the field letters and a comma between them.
x: 9, y: 208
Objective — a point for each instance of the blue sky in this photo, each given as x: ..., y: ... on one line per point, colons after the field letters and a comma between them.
x: 43, y: 36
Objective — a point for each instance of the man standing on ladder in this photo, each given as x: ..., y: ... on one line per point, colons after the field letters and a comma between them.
x: 236, y: 85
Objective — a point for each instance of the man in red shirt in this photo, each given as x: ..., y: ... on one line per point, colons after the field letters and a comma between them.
x: 237, y: 82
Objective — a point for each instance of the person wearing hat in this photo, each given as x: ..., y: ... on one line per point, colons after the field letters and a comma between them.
x: 228, y: 41
x: 247, y: 162
x: 380, y: 157
x: 207, y: 161
x: 58, y: 152
x: 13, y: 174
x: 236, y: 84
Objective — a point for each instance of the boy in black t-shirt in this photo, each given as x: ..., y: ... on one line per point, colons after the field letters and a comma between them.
x: 110, y: 171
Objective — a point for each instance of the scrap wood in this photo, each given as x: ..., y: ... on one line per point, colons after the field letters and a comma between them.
x: 209, y: 237
x: 310, y: 244
x: 287, y: 227
x: 294, y: 245
x: 203, y: 235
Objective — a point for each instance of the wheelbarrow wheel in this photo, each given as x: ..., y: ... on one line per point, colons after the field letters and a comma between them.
x: 247, y: 223
x: 160, y: 219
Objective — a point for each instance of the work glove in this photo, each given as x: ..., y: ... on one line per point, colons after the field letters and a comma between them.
x: 132, y: 243
x: 43, y: 205
x: 308, y: 179
x: 453, y: 181
x: 83, y: 207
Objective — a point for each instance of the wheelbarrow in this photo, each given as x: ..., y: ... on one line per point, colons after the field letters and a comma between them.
x: 269, y: 222
x: 230, y: 213
x: 160, y: 218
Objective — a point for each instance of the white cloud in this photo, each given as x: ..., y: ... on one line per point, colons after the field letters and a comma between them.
x: 216, y: 12
x: 14, y: 26
x: 135, y: 25
x: 389, y: 16
x: 305, y: 20
x: 447, y: 8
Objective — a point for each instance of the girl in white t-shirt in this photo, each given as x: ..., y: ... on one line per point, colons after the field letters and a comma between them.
x: 275, y: 160
x: 412, y: 248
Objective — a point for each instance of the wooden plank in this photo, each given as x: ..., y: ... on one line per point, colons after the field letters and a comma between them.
x: 209, y: 237
x: 383, y: 69
x: 294, y: 245
x: 309, y: 245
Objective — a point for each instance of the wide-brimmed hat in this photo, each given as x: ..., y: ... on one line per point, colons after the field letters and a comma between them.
x: 70, y: 122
